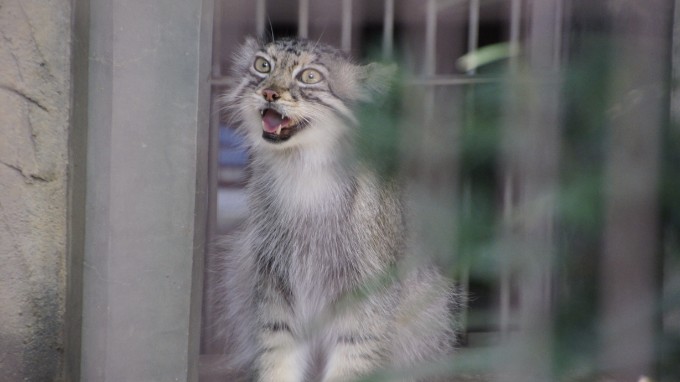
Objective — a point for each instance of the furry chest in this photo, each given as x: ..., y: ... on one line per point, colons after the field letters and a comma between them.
x: 308, y: 257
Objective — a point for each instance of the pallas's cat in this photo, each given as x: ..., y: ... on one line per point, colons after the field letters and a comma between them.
x: 320, y: 283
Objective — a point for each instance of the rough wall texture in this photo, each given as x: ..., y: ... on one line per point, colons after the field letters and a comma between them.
x: 34, y: 120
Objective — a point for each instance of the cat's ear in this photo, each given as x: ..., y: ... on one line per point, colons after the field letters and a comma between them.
x: 244, y: 56
x: 251, y: 43
x: 376, y: 78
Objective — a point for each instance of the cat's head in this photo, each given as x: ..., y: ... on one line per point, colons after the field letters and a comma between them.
x: 296, y: 93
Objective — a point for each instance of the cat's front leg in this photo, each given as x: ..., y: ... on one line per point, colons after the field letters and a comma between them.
x: 354, y: 356
x: 282, y: 359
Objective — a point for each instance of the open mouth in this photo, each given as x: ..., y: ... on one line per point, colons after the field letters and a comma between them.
x: 276, y: 127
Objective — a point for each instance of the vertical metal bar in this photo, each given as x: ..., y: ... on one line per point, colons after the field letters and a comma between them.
x: 388, y: 29
x: 346, y: 42
x: 557, y: 33
x: 473, y: 30
x: 630, y: 262
x: 538, y: 169
x: 505, y: 282
x: 260, y: 16
x: 468, y: 113
x: 670, y: 320
x: 531, y: 141
x: 675, y: 67
x: 431, y: 38
x: 515, y: 15
x: 463, y: 264
x: 303, y: 18
x: 505, y: 274
x: 430, y: 64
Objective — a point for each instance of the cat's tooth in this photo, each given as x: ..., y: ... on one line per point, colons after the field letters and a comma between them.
x: 278, y: 129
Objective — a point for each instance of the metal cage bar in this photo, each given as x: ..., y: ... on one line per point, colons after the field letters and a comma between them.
x: 388, y: 29
x: 515, y: 15
x: 430, y: 38
x: 346, y: 39
x: 473, y: 30
x: 303, y: 18
x: 508, y: 179
x: 260, y: 16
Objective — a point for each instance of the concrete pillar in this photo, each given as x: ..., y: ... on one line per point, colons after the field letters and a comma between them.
x: 148, y: 111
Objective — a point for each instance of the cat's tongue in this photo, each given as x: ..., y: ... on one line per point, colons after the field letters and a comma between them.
x: 272, y: 121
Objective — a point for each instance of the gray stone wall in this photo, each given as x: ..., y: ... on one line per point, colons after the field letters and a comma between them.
x: 35, y: 105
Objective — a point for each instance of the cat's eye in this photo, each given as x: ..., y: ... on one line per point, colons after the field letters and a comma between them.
x: 310, y: 76
x: 262, y: 65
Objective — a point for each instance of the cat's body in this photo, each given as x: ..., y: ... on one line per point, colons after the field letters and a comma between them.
x: 319, y: 283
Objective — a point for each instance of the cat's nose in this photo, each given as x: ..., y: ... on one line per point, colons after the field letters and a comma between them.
x: 270, y: 95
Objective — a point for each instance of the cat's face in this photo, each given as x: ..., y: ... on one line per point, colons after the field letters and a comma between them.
x: 294, y: 93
